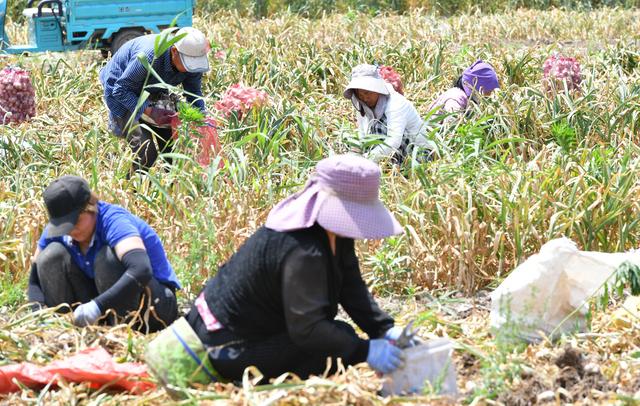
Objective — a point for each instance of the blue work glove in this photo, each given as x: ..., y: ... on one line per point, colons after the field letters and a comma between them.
x: 383, y: 356
x: 86, y: 314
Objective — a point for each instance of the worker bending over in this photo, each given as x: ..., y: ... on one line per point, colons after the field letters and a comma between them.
x: 124, y: 77
x: 273, y: 303
x: 386, y: 116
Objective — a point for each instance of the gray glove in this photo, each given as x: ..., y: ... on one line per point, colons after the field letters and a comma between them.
x: 86, y: 314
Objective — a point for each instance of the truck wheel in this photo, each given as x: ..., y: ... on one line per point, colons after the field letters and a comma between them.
x: 123, y: 36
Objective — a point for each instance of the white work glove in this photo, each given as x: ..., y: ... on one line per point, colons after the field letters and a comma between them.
x: 86, y: 314
x: 393, y: 333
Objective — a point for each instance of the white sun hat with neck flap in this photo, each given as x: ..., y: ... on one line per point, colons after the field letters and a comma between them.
x: 366, y: 77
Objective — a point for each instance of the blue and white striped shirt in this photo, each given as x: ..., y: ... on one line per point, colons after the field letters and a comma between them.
x: 124, y: 75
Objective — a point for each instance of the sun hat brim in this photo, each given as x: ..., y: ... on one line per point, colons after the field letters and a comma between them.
x: 195, y: 64
x: 369, y: 83
x: 357, y: 220
x: 60, y: 226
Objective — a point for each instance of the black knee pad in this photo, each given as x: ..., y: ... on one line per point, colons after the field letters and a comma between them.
x: 53, y: 253
x: 107, y: 268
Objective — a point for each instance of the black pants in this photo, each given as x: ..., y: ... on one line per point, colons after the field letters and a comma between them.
x: 273, y: 356
x: 63, y: 282
x: 147, y: 145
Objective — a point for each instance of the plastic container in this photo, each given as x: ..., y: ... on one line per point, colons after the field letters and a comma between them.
x: 429, y: 362
x: 178, y: 358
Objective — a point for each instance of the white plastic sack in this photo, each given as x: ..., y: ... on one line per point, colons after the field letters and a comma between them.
x: 430, y: 361
x: 545, y: 289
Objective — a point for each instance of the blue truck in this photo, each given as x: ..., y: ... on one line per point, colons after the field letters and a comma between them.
x: 68, y: 25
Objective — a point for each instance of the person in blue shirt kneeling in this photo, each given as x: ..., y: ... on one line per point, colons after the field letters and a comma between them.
x: 102, y: 256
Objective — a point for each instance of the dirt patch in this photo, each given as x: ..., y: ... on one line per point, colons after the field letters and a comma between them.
x: 583, y: 387
x: 575, y: 381
x: 568, y: 378
x: 571, y: 358
x: 597, y: 381
x: 578, y: 380
x: 524, y: 394
x: 468, y: 360
x: 467, y: 366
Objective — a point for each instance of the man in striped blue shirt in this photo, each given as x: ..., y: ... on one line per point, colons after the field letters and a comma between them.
x: 123, y: 79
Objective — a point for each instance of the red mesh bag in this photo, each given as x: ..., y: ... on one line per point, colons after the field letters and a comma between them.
x: 240, y: 99
x: 392, y: 77
x: 17, y: 96
x: 558, y: 69
x: 93, y: 365
x: 209, y: 143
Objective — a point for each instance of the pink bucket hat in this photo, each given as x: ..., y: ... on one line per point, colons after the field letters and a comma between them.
x: 342, y: 196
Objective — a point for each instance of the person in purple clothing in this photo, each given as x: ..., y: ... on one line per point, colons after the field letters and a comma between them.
x: 479, y: 78
x: 273, y: 303
x: 123, y: 79
x: 103, y: 257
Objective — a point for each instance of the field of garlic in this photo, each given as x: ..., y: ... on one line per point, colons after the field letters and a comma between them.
x: 523, y: 168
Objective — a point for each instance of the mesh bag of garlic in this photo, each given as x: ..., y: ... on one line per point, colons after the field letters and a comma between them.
x: 17, y: 96
x: 560, y: 70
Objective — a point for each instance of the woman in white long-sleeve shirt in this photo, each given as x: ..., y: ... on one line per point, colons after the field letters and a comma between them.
x: 385, y: 115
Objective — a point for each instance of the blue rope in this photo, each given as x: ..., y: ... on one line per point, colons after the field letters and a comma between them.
x: 194, y: 355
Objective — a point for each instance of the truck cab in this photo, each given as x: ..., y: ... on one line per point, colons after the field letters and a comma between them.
x: 67, y: 25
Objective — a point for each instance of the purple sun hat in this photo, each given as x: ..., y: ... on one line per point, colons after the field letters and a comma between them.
x: 342, y: 196
x: 479, y: 75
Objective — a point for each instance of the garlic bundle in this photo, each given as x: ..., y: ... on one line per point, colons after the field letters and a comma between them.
x: 17, y: 96
x: 558, y: 70
x: 240, y: 99
x: 392, y: 77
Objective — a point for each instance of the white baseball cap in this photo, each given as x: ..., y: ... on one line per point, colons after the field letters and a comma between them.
x: 193, y: 49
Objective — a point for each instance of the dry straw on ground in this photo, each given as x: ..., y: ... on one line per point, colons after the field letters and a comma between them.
x: 595, y: 368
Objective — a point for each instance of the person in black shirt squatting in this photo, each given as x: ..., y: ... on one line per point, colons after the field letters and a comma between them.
x: 102, y: 256
x: 273, y: 303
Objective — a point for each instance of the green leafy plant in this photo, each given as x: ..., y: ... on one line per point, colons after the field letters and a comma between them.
x: 565, y: 136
